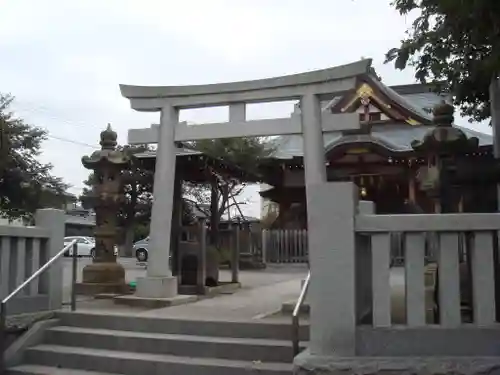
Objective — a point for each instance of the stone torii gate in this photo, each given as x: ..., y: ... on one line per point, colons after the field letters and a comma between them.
x: 310, y: 88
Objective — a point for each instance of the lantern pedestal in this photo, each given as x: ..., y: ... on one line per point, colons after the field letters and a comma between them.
x: 101, y: 278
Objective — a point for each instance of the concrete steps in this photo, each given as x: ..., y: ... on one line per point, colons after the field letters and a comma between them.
x: 113, y: 344
x: 119, y: 362
x: 47, y: 370
x: 264, y: 350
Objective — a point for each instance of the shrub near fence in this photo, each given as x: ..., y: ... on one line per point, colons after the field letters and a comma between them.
x: 285, y: 246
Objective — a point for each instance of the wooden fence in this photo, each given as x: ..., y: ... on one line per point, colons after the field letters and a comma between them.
x: 284, y: 246
x: 290, y: 246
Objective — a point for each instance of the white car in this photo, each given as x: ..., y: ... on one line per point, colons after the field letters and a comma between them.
x: 85, y: 246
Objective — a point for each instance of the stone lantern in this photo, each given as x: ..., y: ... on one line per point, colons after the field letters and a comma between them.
x: 442, y: 146
x: 105, y: 275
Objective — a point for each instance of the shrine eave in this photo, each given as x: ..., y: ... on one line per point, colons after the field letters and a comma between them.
x: 194, y: 165
x: 389, y: 138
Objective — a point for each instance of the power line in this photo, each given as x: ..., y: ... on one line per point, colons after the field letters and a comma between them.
x: 62, y: 139
x: 43, y: 110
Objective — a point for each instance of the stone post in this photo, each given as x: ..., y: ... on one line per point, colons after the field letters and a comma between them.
x: 53, y: 220
x: 364, y: 267
x: 159, y: 282
x: 202, y: 256
x: 265, y: 239
x: 332, y: 298
x: 235, y: 254
x: 495, y: 121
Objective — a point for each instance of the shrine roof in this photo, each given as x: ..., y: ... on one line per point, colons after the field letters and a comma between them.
x: 394, y: 137
x: 194, y: 165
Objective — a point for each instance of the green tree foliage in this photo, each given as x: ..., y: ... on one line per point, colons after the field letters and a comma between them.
x: 455, y: 42
x: 25, y: 183
x: 245, y: 153
x: 135, y: 213
x: 138, y: 187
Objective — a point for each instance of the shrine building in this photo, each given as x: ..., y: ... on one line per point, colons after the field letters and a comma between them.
x: 379, y: 157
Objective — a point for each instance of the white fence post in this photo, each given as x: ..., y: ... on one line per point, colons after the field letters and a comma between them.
x: 332, y: 208
x: 53, y: 220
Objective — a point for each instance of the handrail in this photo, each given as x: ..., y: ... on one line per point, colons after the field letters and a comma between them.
x: 29, y: 280
x: 295, y: 315
x: 38, y: 272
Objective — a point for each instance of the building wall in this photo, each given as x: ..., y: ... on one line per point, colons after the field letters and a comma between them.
x: 78, y: 230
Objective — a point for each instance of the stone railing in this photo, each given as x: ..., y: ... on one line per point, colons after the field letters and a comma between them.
x: 25, y: 249
x: 353, y: 284
x: 459, y: 312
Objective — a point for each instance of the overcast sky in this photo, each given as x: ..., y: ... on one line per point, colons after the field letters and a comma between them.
x: 64, y: 60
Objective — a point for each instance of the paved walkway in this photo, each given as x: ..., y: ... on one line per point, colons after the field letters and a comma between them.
x: 249, y: 304
x: 263, y: 293
x: 261, y: 297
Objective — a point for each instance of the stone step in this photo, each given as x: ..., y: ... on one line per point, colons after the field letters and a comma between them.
x: 47, y: 370
x: 243, y: 349
x: 287, y: 308
x: 256, y: 329
x: 121, y: 362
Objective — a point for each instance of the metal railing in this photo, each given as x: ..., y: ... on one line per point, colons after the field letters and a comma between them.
x: 29, y: 280
x: 295, y: 316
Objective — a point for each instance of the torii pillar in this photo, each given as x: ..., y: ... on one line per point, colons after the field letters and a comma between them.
x: 159, y: 282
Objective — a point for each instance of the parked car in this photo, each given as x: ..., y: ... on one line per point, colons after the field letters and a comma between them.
x: 141, y: 249
x: 85, y: 246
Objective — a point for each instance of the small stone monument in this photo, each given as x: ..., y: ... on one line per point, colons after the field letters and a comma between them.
x: 105, y: 275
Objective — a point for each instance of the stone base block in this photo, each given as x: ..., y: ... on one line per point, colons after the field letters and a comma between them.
x: 94, y: 289
x: 307, y: 364
x: 209, y: 291
x: 154, y: 303
x: 107, y: 296
x: 156, y: 287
